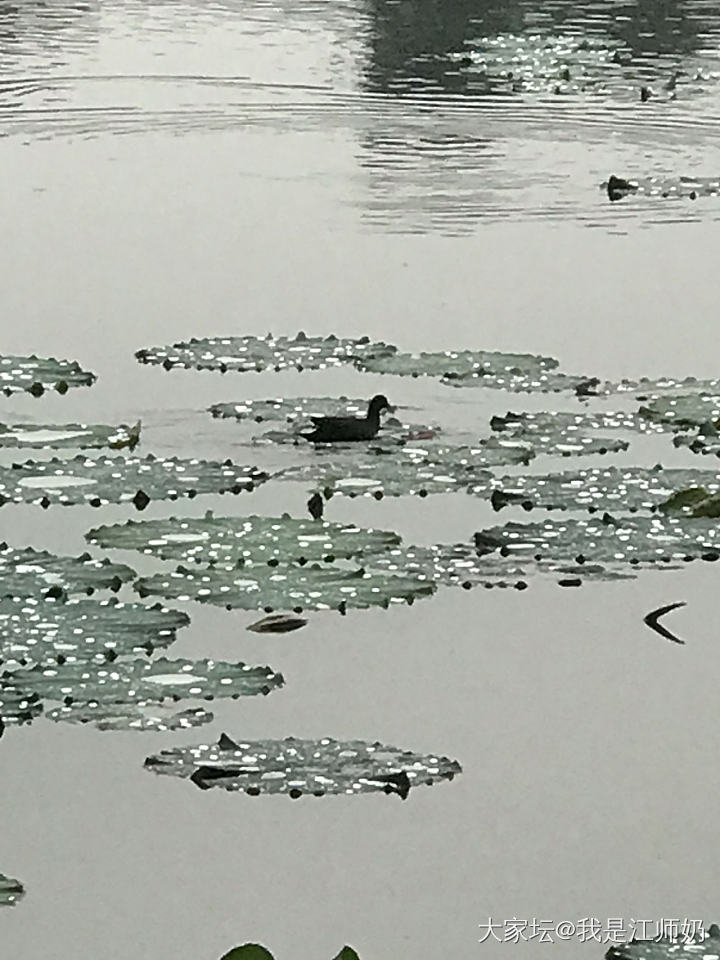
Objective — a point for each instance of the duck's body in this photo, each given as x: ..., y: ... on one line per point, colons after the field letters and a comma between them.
x: 349, y: 429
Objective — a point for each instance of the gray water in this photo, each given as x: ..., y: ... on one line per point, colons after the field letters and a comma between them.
x: 180, y: 169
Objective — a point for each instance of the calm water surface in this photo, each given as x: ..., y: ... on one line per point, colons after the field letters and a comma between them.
x: 179, y: 169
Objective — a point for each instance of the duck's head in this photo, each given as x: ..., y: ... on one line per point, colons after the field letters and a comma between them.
x: 377, y: 405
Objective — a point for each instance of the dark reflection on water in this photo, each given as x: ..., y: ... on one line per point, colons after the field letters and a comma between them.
x: 458, y: 113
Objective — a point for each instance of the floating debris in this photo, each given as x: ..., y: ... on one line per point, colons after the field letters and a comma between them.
x: 459, y: 363
x: 652, y: 620
x: 613, y: 540
x: 11, y: 891
x: 277, y: 623
x: 42, y: 631
x: 303, y: 767
x: 243, y: 354
x: 243, y: 540
x: 131, y: 716
x: 36, y: 573
x: 35, y: 375
x: 295, y: 410
x: 138, y: 480
x: 74, y: 436
x: 410, y: 471
x: 139, y: 681
x: 624, y: 489
x: 292, y: 588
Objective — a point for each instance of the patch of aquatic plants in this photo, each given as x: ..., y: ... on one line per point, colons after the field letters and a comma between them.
x: 409, y: 471
x: 159, y: 717
x: 285, y: 588
x: 459, y: 363
x: 35, y: 375
x: 243, y: 354
x: 243, y: 540
x: 684, y: 411
x: 74, y: 436
x: 290, y: 410
x: 47, y: 630
x: 36, y: 573
x: 541, y: 381
x: 139, y: 480
x: 11, y: 891
x: 140, y: 681
x: 621, y: 489
x: 570, y: 434
x: 608, y: 540
x: 303, y: 767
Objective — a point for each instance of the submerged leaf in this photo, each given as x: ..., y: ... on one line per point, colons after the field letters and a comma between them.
x: 284, y: 587
x: 131, y: 716
x: 39, y: 631
x: 35, y: 375
x: 621, y: 489
x: 135, y: 681
x: 68, y: 436
x: 11, y: 891
x: 243, y: 540
x: 291, y: 409
x: 100, y: 480
x: 614, y: 540
x: 411, y: 470
x: 459, y: 363
x: 243, y: 354
x: 36, y: 573
x: 296, y: 767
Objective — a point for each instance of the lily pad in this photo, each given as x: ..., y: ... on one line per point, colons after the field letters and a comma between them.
x: 620, y: 489
x: 137, y: 681
x: 393, y: 433
x: 248, y: 951
x: 242, y: 354
x: 139, y: 480
x: 17, y: 706
x: 412, y: 470
x: 695, y: 502
x: 131, y: 716
x: 458, y: 363
x: 11, y: 891
x: 40, y: 631
x: 243, y: 540
x: 706, y: 441
x: 541, y: 381
x: 570, y: 434
x: 291, y: 409
x: 684, y: 411
x: 35, y: 375
x: 75, y: 436
x: 36, y: 573
x: 285, y: 587
x: 455, y: 564
x: 621, y: 540
x: 701, y: 945
x: 649, y: 389
x: 296, y: 767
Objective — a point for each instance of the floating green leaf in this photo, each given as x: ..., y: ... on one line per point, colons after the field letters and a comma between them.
x: 456, y: 564
x: 35, y: 375
x: 291, y: 409
x: 284, y: 587
x: 277, y: 623
x: 131, y: 716
x: 706, y: 441
x: 243, y: 354
x: 621, y: 489
x: 101, y: 480
x: 695, y: 502
x: 36, y: 573
x: 411, y: 470
x: 243, y: 540
x: 700, y: 945
x: 17, y: 706
x: 75, y: 436
x: 648, y: 389
x: 135, y: 681
x: 621, y: 540
x: 542, y: 381
x: 569, y: 434
x: 11, y: 891
x: 39, y: 631
x: 248, y: 951
x: 297, y: 767
x: 458, y: 363
x: 683, y: 411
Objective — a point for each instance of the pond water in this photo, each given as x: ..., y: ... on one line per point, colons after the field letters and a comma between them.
x: 422, y: 173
